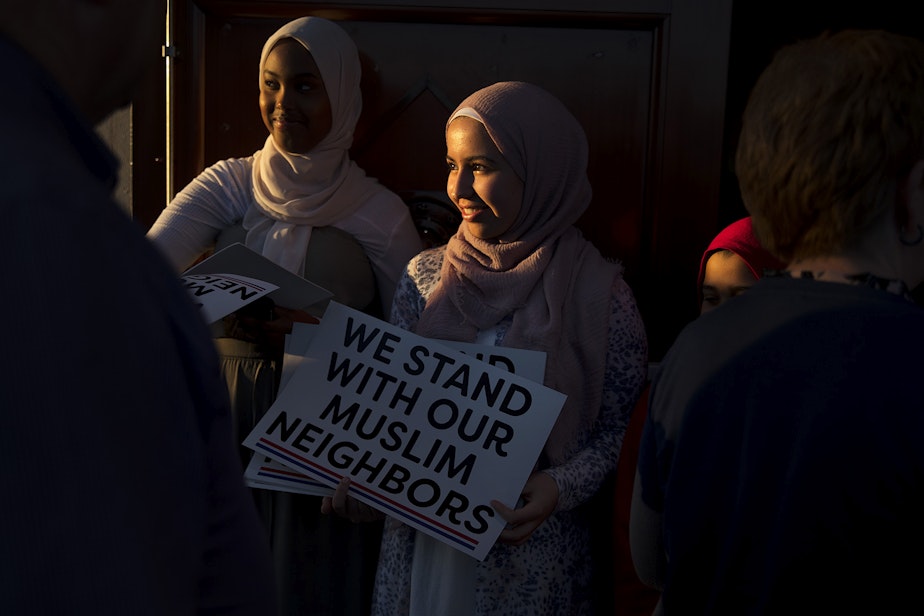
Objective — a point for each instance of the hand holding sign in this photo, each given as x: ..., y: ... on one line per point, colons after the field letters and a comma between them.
x: 341, y: 503
x: 540, y: 497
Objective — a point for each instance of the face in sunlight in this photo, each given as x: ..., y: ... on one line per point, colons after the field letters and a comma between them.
x: 293, y: 100
x: 481, y: 183
x: 726, y: 276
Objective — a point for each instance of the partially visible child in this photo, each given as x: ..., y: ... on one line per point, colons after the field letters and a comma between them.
x: 733, y: 261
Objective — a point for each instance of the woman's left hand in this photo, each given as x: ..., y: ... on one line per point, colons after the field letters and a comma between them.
x: 540, y: 496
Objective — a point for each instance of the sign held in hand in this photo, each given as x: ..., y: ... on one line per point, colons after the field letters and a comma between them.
x: 426, y: 433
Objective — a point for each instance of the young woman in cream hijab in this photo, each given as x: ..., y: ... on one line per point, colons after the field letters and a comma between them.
x: 302, y: 183
x: 302, y: 202
x: 518, y: 273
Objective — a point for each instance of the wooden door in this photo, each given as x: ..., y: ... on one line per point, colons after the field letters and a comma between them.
x: 646, y: 78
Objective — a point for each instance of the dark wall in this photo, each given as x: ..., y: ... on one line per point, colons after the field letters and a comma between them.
x: 759, y: 29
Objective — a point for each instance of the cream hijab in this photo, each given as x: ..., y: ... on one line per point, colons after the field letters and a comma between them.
x: 296, y: 192
x: 555, y: 283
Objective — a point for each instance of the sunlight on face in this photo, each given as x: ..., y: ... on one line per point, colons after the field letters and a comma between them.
x: 481, y: 183
x: 726, y: 276
x: 293, y: 100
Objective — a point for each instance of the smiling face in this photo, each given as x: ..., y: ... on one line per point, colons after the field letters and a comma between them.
x: 293, y: 100
x: 481, y: 183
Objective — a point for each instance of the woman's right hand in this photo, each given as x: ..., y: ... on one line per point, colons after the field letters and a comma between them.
x: 344, y: 505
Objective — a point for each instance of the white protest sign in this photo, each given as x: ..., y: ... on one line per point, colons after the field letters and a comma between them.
x: 296, y: 345
x: 218, y: 295
x: 426, y: 433
x: 267, y: 474
x: 289, y: 290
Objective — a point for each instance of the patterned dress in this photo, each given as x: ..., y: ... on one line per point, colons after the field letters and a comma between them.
x: 551, y: 573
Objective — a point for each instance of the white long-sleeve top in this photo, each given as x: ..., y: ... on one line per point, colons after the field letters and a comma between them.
x: 223, y: 193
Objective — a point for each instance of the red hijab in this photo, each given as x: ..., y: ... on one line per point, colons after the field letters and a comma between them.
x: 739, y: 238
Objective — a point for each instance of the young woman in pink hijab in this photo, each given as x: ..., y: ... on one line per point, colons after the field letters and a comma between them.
x: 518, y: 273
x: 302, y: 202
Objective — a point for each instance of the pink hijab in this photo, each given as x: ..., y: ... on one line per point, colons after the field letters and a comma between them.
x: 297, y: 192
x: 739, y: 238
x: 554, y: 283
